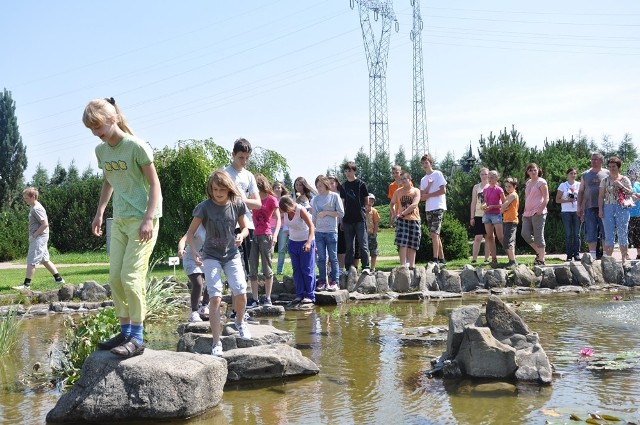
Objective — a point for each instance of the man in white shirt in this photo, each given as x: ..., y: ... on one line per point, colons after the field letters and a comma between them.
x: 433, y: 188
x: 246, y: 183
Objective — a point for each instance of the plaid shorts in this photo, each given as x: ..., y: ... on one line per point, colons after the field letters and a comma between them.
x: 408, y: 233
x: 373, y: 244
x: 434, y: 220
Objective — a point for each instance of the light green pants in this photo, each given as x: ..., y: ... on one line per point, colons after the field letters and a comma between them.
x: 129, y: 262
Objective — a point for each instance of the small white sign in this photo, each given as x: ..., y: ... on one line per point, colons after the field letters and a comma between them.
x: 174, y: 261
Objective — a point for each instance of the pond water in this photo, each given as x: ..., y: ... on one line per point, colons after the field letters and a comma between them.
x: 369, y: 375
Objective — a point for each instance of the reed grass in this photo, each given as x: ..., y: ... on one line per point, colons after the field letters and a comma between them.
x: 9, y: 327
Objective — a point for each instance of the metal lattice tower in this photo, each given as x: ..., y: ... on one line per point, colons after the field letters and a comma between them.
x: 420, y: 139
x: 377, y: 52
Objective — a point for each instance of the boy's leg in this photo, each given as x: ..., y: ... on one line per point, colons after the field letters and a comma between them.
x: 363, y: 241
x: 349, y: 236
x: 214, y: 317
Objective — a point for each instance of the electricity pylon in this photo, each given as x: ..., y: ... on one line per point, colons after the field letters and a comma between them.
x: 377, y: 52
x: 420, y: 138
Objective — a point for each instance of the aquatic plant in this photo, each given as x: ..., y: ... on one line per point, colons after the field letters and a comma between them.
x: 82, y: 334
x: 9, y: 325
x: 369, y: 309
x: 161, y: 299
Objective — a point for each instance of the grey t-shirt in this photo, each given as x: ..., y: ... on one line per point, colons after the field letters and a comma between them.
x: 592, y: 186
x: 220, y: 223
x: 37, y: 215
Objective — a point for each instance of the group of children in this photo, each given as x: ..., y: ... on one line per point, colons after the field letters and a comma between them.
x: 241, y: 221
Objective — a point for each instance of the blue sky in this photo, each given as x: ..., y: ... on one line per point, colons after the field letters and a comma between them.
x: 292, y: 75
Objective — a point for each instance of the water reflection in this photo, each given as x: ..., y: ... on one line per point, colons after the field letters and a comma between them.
x: 368, y: 375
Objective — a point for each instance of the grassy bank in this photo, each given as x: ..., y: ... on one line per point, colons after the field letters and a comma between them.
x: 99, y: 269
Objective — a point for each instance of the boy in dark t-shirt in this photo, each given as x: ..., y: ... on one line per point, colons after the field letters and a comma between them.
x: 355, y: 196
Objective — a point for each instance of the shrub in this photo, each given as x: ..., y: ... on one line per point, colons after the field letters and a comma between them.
x: 383, y: 211
x: 70, y: 209
x: 14, y: 240
x: 454, y: 237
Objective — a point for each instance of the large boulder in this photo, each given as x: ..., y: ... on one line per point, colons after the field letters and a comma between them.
x: 548, y: 279
x: 459, y: 320
x: 502, y: 320
x: 495, y: 278
x: 157, y: 385
x: 401, y: 279
x: 469, y: 279
x: 382, y: 281
x: 632, y: 276
x: 482, y: 356
x: 524, y: 276
x: 580, y: 274
x: 449, y: 281
x: 366, y: 284
x: 267, y: 362
x: 503, y: 349
x: 533, y: 364
x: 92, y: 291
x: 340, y: 296
x: 563, y: 275
x: 612, y: 270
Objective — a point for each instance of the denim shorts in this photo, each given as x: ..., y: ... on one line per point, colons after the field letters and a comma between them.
x: 489, y: 218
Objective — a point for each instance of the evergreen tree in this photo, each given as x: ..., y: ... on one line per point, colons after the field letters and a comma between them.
x: 40, y: 178
x: 88, y: 173
x: 13, y: 154
x: 73, y: 174
x: 627, y: 150
x: 287, y: 182
x: 380, y: 177
x: 363, y: 161
x: 401, y: 159
x: 508, y: 153
x: 607, y: 147
x: 59, y: 175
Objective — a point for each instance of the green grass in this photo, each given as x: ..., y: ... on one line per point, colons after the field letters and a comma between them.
x: 100, y: 273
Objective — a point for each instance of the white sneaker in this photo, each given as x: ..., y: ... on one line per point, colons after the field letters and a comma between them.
x: 204, y: 310
x: 194, y: 317
x: 22, y: 287
x: 243, y: 330
x: 216, y: 350
x: 61, y: 281
x: 366, y: 271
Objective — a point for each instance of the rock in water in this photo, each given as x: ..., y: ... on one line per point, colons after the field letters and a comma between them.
x: 155, y: 385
